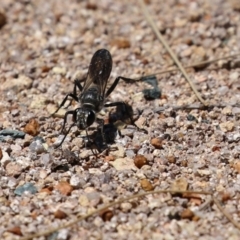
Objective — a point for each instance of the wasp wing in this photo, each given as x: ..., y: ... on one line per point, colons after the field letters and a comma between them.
x: 99, y: 71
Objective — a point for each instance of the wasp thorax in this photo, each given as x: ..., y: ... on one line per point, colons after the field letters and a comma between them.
x: 85, y: 118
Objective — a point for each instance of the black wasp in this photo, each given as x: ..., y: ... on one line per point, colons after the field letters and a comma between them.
x: 93, y: 93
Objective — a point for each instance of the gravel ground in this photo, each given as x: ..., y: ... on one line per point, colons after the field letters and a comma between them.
x: 45, y: 45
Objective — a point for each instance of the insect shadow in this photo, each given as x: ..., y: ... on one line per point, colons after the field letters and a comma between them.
x: 92, y: 97
x: 117, y: 118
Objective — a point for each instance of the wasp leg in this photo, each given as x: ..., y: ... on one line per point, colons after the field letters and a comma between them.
x: 64, y: 101
x: 78, y: 85
x: 116, y: 82
x: 101, y: 125
x: 64, y: 123
x: 73, y: 95
x: 95, y: 154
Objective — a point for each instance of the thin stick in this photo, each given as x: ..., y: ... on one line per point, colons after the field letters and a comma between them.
x: 193, y: 106
x: 194, y: 65
x: 121, y: 200
x: 160, y: 37
x: 226, y: 214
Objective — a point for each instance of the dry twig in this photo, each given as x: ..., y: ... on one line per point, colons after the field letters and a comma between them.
x: 165, y: 44
x: 98, y: 211
x: 195, y: 64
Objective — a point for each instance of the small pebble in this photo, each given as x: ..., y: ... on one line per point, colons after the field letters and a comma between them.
x: 15, y: 230
x: 75, y: 181
x: 63, y: 234
x: 204, y: 172
x: 123, y: 164
x: 126, y: 207
x: 234, y: 76
x: 190, y: 117
x: 94, y: 198
x: 38, y: 102
x: 236, y: 110
x: 3, y: 19
x: 140, y: 160
x: 227, y: 126
x: 85, y: 154
x: 45, y: 159
x: 223, y: 90
x: 146, y: 185
x: 43, y: 174
x: 59, y: 70
x: 5, y: 159
x: 16, y: 148
x: 26, y: 188
x: 13, y: 133
x: 157, y: 143
x: 236, y: 166
x: 78, y: 141
x: 32, y: 127
x: 227, y: 110
x: 171, y: 159
x: 64, y: 188
x: 187, y: 214
x: 37, y: 146
x: 13, y: 169
x: 15, y: 112
x: 83, y: 201
x: 179, y: 184
x: 17, y: 84
x: 12, y: 182
x: 120, y: 43
x: 60, y: 214
x: 107, y: 215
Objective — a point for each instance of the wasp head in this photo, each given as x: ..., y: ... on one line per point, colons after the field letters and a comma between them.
x: 84, y: 118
